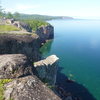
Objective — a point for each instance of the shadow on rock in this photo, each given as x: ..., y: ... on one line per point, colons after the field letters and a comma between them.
x: 69, y: 87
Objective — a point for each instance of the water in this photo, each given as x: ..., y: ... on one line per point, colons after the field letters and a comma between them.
x: 77, y: 44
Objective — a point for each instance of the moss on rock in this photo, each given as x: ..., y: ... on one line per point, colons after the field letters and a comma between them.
x: 2, y: 83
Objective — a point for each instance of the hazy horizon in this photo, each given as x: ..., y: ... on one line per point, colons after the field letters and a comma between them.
x: 73, y: 8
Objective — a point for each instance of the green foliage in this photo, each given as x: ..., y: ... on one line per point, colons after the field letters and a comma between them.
x: 9, y: 15
x: 16, y: 15
x: 8, y: 28
x: 1, y: 12
x: 45, y: 49
x: 35, y: 24
x: 2, y: 83
x: 37, y: 17
x: 51, y: 87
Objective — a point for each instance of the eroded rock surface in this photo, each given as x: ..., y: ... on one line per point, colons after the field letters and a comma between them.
x: 28, y: 88
x: 23, y: 26
x: 45, y: 33
x: 14, y: 66
x: 47, y: 69
x: 27, y: 44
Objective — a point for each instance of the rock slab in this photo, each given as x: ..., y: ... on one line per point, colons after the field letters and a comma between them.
x: 14, y: 66
x: 28, y: 88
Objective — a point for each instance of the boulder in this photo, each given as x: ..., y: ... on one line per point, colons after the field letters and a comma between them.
x: 28, y: 88
x: 14, y: 66
x: 47, y: 69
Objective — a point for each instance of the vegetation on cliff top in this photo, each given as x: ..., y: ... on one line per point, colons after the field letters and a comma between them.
x: 35, y: 24
x: 2, y: 83
x: 8, y: 28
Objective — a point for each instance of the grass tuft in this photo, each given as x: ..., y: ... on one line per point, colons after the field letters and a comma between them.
x: 2, y: 83
x: 8, y: 28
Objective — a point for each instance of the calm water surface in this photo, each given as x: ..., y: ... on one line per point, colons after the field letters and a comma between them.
x: 77, y: 44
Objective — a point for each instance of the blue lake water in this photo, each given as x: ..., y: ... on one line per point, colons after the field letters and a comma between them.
x: 77, y: 44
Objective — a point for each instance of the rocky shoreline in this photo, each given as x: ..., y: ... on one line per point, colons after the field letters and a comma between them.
x: 22, y: 62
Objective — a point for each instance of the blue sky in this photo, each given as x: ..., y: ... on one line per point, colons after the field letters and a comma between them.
x: 74, y: 8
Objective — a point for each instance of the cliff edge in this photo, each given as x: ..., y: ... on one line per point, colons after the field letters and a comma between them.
x: 22, y: 69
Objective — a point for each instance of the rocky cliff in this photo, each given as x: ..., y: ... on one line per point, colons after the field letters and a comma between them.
x: 27, y: 44
x: 47, y: 69
x: 45, y: 32
x: 25, y: 85
x: 28, y: 88
x: 21, y: 61
x: 21, y: 25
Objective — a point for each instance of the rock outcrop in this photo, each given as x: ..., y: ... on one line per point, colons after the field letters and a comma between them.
x: 45, y: 33
x: 23, y: 26
x: 18, y: 51
x: 28, y: 88
x: 47, y: 69
x: 14, y: 66
x: 27, y: 44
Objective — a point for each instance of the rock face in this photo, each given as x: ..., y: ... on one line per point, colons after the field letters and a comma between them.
x: 47, y: 69
x: 18, y: 51
x: 14, y: 66
x: 23, y: 26
x: 28, y: 88
x: 45, y: 32
x: 28, y: 44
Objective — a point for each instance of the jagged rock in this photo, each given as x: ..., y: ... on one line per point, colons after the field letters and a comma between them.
x: 13, y: 66
x: 23, y: 26
x: 28, y: 88
x: 47, y: 69
x: 27, y: 44
x: 45, y: 32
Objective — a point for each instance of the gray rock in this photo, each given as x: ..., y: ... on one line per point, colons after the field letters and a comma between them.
x: 45, y: 33
x: 27, y: 44
x: 47, y: 69
x: 23, y: 26
x: 28, y: 88
x: 14, y: 66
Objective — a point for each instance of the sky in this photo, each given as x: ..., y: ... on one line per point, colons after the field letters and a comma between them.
x: 84, y: 9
